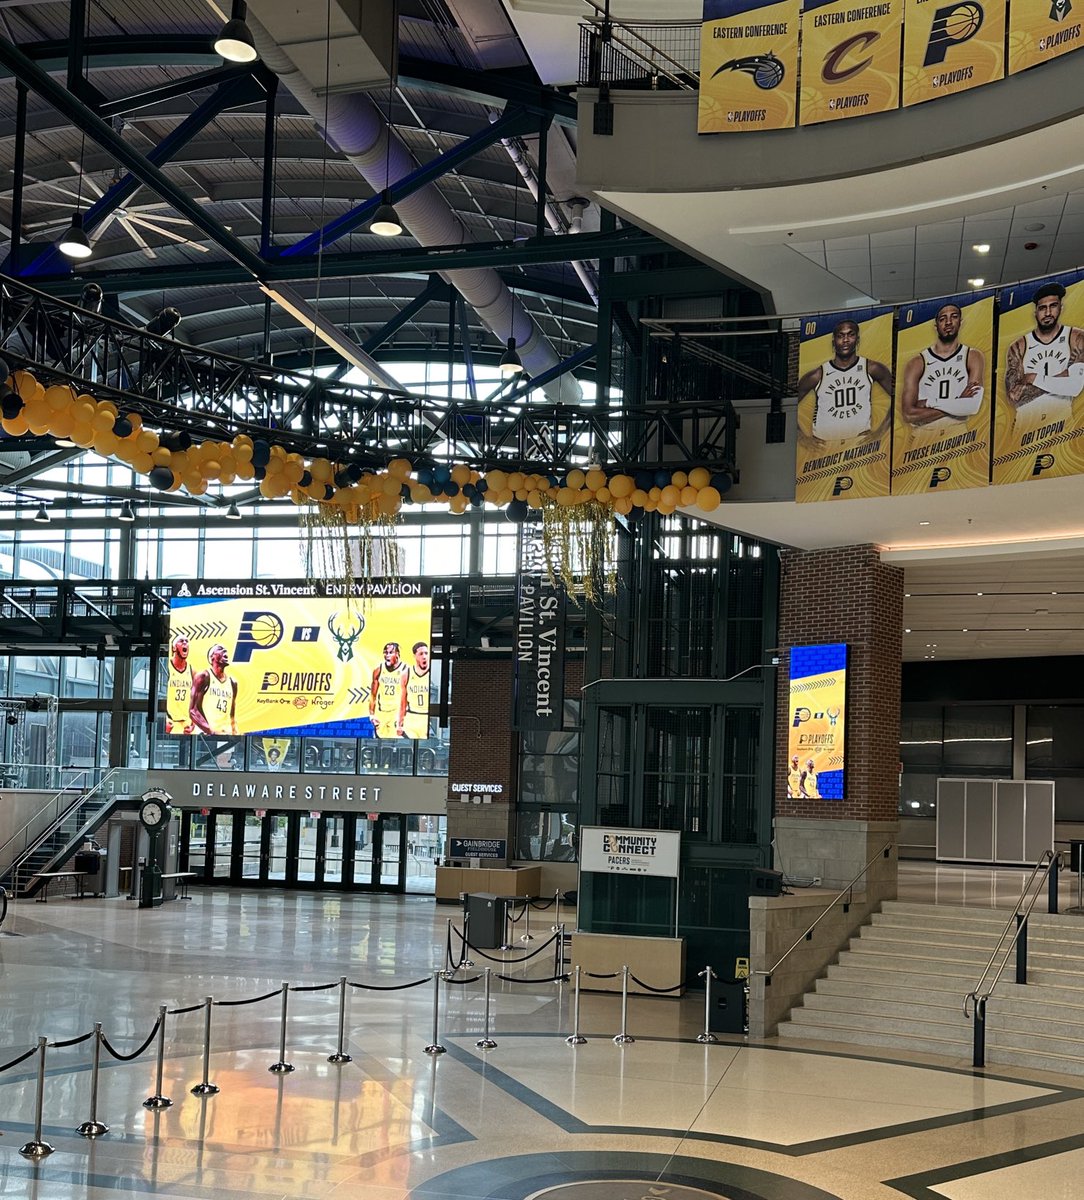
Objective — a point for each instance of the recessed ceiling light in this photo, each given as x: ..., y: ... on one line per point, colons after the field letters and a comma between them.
x: 1035, y: 226
x: 978, y: 593
x: 906, y: 631
x: 977, y: 282
x: 1053, y: 593
x: 924, y: 522
x: 963, y: 631
x: 981, y: 247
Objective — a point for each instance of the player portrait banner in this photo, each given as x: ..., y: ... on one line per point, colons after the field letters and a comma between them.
x: 748, y: 65
x: 540, y: 638
x: 951, y: 46
x: 816, y: 740
x: 944, y: 395
x: 290, y: 657
x: 850, y: 59
x: 845, y: 393
x: 1040, y: 30
x: 1039, y: 411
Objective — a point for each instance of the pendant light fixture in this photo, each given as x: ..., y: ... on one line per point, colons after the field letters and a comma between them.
x: 235, y: 42
x: 74, y: 242
x: 41, y: 517
x: 233, y: 513
x: 510, y: 363
x: 386, y: 221
x: 127, y: 513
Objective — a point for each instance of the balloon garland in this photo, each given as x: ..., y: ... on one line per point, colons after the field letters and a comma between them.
x: 173, y: 461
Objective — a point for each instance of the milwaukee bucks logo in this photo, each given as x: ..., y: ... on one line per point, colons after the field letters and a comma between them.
x: 348, y: 635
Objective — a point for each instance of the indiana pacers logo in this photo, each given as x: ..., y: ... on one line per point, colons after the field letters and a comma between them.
x: 952, y: 26
x: 767, y: 71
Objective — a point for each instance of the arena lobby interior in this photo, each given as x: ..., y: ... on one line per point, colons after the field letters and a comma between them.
x: 992, y: 576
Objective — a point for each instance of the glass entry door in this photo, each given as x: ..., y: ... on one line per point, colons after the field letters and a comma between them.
x: 380, y: 853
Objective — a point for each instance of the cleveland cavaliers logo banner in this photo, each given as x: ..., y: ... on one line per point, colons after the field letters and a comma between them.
x: 850, y: 59
x: 944, y: 365
x: 1040, y: 30
x: 748, y: 65
x: 950, y: 46
x: 845, y: 390
x: 1039, y: 413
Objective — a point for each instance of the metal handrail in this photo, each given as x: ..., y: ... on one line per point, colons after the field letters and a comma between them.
x: 1045, y: 860
x: 606, y: 21
x: 52, y: 800
x: 847, y: 891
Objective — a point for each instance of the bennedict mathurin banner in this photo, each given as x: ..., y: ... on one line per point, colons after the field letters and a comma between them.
x: 290, y: 657
x: 844, y: 406
x: 818, y: 722
x: 1039, y: 415
x: 1040, y: 30
x: 748, y: 65
x: 950, y: 46
x: 540, y: 638
x: 944, y: 356
x: 850, y: 58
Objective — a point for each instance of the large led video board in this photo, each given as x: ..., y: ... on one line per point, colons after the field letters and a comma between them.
x: 818, y: 722
x: 290, y: 657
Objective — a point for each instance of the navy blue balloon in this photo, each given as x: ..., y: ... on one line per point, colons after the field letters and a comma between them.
x: 305, y: 480
x: 451, y: 488
x: 477, y: 500
x: 259, y: 472
x: 516, y: 511
x: 469, y: 490
x: 661, y: 479
x: 425, y: 476
x: 722, y: 482
x: 404, y: 492
x: 644, y: 480
x: 441, y: 475
x: 161, y: 478
x: 122, y: 427
x: 329, y: 491
x: 552, y: 478
x: 481, y: 487
x: 261, y: 453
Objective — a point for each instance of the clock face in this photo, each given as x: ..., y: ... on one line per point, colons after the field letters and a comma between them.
x: 152, y: 813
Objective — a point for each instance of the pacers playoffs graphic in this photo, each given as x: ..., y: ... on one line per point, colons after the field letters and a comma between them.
x: 817, y: 722
x: 850, y: 58
x: 844, y: 406
x: 292, y: 657
x: 950, y: 46
x: 1043, y: 29
x: 1039, y: 417
x: 944, y: 357
x: 748, y: 65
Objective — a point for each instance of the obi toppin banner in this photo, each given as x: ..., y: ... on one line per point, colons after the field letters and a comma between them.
x: 944, y: 355
x: 288, y: 657
x: 540, y: 638
x: 950, y: 46
x: 1040, y: 30
x: 850, y: 59
x: 630, y: 851
x: 748, y: 65
x: 817, y: 722
x: 844, y: 406
x: 1039, y: 417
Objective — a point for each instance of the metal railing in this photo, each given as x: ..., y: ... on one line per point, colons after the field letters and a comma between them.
x: 654, y: 55
x: 807, y: 935
x: 975, y: 1001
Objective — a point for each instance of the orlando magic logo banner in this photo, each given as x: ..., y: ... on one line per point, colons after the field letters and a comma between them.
x: 1039, y: 412
x: 1040, y: 30
x: 850, y: 59
x: 951, y: 46
x: 844, y: 406
x: 944, y: 395
x: 748, y: 65
x: 540, y: 638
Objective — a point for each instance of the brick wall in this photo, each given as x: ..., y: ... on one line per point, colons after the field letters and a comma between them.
x: 847, y: 595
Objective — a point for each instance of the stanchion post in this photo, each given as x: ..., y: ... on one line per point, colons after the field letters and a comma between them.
x: 485, y: 1042
x: 434, y: 1046
x: 624, y: 1037
x: 282, y: 1067
x: 38, y: 1149
x: 557, y: 911
x: 92, y: 1127
x: 527, y: 916
x: 206, y: 1088
x: 508, y: 924
x: 467, y: 960
x: 707, y: 1037
x: 559, y: 949
x: 158, y: 1101
x: 340, y: 1056
x: 575, y: 1038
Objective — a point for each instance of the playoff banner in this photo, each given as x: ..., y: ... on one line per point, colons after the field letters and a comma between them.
x: 844, y: 406
x: 1040, y: 30
x: 944, y: 356
x: 950, y: 46
x: 850, y: 58
x: 818, y: 722
x: 1039, y: 417
x: 540, y: 638
x: 748, y: 65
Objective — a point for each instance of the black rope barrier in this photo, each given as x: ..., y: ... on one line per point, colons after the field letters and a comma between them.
x: 503, y: 961
x: 71, y: 1041
x: 314, y: 987
x: 512, y: 918
x: 135, y: 1053
x: 658, y: 991
x: 538, y: 906
x: 250, y: 1000
x: 459, y: 982
x: 388, y: 987
x: 21, y: 1059
x: 176, y: 1012
x: 547, y: 979
x: 601, y: 975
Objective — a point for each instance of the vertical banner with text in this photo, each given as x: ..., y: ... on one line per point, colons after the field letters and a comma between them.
x: 945, y: 352
x: 818, y: 722
x: 540, y: 638
x: 951, y: 46
x: 850, y: 59
x: 1040, y: 30
x: 844, y: 406
x: 748, y: 65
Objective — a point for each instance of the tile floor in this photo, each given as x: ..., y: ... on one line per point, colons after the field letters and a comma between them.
x: 663, y: 1117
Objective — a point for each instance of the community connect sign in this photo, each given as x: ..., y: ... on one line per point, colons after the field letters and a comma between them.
x: 630, y: 851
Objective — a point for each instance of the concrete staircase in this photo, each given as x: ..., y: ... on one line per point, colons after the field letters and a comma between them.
x: 902, y: 980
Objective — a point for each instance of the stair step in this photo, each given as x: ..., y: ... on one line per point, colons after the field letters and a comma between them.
x: 924, y: 1044
x: 951, y: 1023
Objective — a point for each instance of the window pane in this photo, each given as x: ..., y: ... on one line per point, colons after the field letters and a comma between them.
x: 978, y: 739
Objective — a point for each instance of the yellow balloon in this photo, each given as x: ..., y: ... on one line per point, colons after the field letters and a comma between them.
x: 142, y: 463
x: 82, y: 435
x: 162, y: 457
x: 105, y: 443
x: 566, y: 497
x: 699, y: 477
x: 623, y: 505
x: 688, y: 494
x: 197, y: 489
x: 621, y: 486
x: 671, y: 496
x: 517, y: 481
x: 401, y: 468
x: 38, y: 427
x: 15, y: 426
x: 639, y: 497
x: 246, y: 471
x: 59, y: 396
x: 595, y: 479
x: 497, y: 480
x: 603, y: 495
x: 534, y: 499
x: 708, y: 499
x: 575, y: 479
x: 458, y: 504
x: 460, y: 475
x: 103, y: 420
x: 654, y: 494
x: 147, y: 441
x: 665, y: 509
x: 85, y: 408
x: 679, y: 479
x: 321, y: 470
x: 60, y: 424
x: 390, y: 485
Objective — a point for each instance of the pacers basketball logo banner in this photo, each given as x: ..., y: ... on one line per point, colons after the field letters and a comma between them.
x: 850, y: 58
x: 1040, y: 30
x: 844, y: 406
x: 944, y: 353
x: 817, y: 720
x: 748, y: 65
x: 1039, y: 414
x: 284, y: 658
x: 950, y: 46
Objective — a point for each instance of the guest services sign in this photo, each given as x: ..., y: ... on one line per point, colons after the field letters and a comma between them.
x: 630, y: 851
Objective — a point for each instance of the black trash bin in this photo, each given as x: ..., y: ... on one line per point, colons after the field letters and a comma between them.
x: 484, y: 914
x: 727, y: 1014
x: 87, y: 861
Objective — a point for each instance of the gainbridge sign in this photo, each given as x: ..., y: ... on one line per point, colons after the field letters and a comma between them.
x: 292, y: 657
x: 817, y: 722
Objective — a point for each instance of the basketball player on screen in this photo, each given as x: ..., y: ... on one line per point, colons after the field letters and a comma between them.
x: 944, y: 382
x: 179, y: 687
x: 214, y: 695
x: 387, y: 696
x: 1044, y: 369
x: 794, y: 779
x: 842, y: 390
x: 415, y: 720
x: 809, y: 781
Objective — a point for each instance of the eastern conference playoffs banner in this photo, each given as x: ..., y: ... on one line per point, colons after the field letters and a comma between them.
x: 951, y: 47
x: 818, y: 721
x: 540, y: 638
x: 291, y: 657
x: 630, y: 851
x: 1040, y: 30
x: 850, y: 57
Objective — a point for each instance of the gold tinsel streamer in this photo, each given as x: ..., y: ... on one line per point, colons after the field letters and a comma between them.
x: 580, y: 549
x: 343, y: 545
